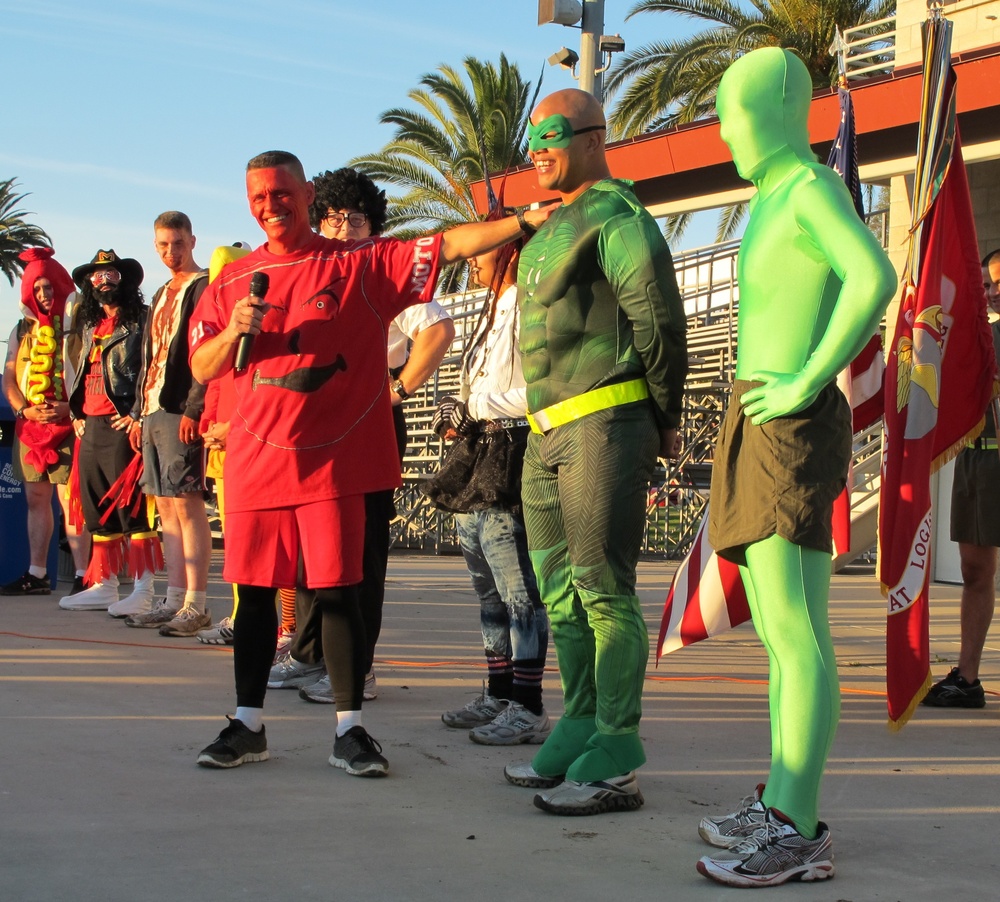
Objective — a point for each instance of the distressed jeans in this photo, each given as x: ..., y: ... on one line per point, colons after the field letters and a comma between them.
x: 512, y: 616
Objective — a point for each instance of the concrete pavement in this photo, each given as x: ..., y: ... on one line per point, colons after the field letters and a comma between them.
x: 101, y: 798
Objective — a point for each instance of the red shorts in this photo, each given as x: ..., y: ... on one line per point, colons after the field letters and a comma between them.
x: 266, y: 548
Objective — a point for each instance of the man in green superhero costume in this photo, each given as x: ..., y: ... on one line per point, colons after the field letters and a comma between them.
x: 604, y: 357
x: 814, y: 284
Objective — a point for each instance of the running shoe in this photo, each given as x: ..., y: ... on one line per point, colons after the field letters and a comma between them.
x: 482, y: 709
x: 732, y: 829
x: 237, y: 744
x: 526, y: 775
x: 287, y: 673
x: 955, y: 691
x: 359, y: 754
x: 187, y: 622
x: 582, y: 799
x: 220, y: 633
x: 513, y: 726
x: 154, y: 619
x: 27, y: 585
x: 775, y: 855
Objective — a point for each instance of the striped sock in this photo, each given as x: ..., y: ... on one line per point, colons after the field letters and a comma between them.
x: 501, y: 676
x: 527, y: 683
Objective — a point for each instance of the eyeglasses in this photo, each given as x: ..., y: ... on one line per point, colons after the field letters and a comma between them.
x: 336, y: 220
x: 105, y: 275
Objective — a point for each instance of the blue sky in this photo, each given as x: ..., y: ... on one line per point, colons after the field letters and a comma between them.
x: 121, y: 109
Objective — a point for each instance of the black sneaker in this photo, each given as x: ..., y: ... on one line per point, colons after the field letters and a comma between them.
x: 236, y: 744
x: 955, y: 691
x: 27, y: 585
x: 78, y: 585
x: 359, y: 754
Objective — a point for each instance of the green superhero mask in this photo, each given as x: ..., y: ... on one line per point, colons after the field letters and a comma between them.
x: 554, y: 132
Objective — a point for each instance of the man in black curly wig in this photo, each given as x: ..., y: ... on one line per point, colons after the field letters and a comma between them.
x: 112, y: 314
x: 350, y: 206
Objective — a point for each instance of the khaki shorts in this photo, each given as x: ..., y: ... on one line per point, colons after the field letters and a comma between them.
x: 975, y: 498
x: 57, y: 474
x: 780, y: 478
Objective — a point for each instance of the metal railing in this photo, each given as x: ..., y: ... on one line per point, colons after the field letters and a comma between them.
x: 870, y: 49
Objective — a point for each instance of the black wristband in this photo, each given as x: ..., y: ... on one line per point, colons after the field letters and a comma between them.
x: 526, y: 227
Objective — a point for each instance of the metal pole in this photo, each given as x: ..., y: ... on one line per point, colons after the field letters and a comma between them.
x: 592, y: 28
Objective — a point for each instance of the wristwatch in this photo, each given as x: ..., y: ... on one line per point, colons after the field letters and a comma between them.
x: 19, y: 413
x: 526, y: 227
x: 397, y: 386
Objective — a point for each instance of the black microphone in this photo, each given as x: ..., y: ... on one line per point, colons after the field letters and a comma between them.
x: 259, y: 283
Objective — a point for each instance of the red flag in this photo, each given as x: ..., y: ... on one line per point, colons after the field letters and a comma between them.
x: 937, y: 386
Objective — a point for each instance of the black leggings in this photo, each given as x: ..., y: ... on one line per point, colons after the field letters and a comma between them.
x: 255, y: 634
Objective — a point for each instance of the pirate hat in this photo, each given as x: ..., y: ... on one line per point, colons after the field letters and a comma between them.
x: 130, y: 269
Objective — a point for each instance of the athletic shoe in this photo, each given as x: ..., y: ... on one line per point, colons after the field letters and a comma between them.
x: 732, y: 829
x: 27, y: 585
x: 955, y: 691
x: 320, y: 692
x: 154, y: 619
x: 285, y: 640
x: 581, y: 799
x: 777, y: 854
x: 219, y: 634
x: 513, y: 726
x: 287, y: 673
x: 371, y: 687
x: 98, y: 597
x: 526, y: 775
x: 236, y: 745
x: 482, y: 709
x: 78, y: 585
x: 359, y: 754
x: 187, y: 622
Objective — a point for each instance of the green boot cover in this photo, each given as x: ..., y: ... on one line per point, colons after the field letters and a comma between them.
x: 565, y: 744
x: 607, y: 755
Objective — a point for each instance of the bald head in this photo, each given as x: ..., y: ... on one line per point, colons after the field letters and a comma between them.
x: 567, y: 143
x: 581, y: 108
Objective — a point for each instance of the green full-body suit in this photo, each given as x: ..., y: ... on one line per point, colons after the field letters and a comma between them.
x: 814, y: 284
x: 599, y: 305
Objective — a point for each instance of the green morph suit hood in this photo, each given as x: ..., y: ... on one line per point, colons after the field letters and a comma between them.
x: 763, y: 103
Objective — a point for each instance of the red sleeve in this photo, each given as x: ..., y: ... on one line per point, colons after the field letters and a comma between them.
x: 209, y: 318
x: 211, y: 412
x: 412, y: 268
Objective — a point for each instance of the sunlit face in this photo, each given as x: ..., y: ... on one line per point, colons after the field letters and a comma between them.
x: 483, y: 268
x: 991, y: 283
x: 279, y: 202
x: 175, y: 247
x: 44, y: 295
x: 560, y: 147
x: 345, y: 224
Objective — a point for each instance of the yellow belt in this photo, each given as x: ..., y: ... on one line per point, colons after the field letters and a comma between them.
x: 589, y: 402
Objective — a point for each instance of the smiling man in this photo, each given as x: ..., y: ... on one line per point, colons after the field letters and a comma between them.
x: 604, y: 356
x: 311, y: 433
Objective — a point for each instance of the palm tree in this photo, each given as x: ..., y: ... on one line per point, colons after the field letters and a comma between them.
x: 668, y: 83
x: 15, y: 233
x: 464, y: 128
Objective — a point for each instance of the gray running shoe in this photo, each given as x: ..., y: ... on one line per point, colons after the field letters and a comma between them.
x: 371, y: 687
x: 287, y: 673
x: 320, y: 692
x: 482, y: 709
x: 513, y: 726
x: 526, y: 775
x: 236, y: 745
x: 581, y: 799
x: 187, y: 622
x: 153, y: 619
x: 777, y: 854
x: 359, y: 754
x: 732, y: 829
x: 219, y: 634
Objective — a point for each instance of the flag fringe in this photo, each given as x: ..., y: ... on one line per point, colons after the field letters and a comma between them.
x: 896, y: 725
x: 145, y: 554
x: 107, y: 558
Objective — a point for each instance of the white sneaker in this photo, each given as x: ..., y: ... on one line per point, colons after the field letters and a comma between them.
x: 97, y: 597
x: 139, y: 602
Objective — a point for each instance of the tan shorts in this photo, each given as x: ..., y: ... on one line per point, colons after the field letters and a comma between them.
x: 57, y: 474
x: 975, y: 498
x: 780, y: 478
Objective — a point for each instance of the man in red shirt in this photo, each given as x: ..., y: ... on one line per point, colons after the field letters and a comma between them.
x: 311, y: 432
